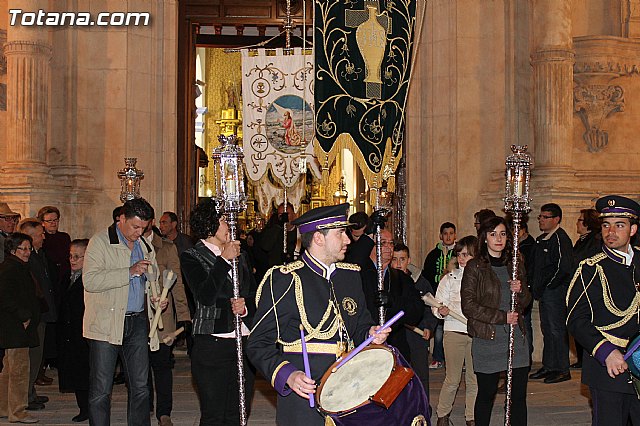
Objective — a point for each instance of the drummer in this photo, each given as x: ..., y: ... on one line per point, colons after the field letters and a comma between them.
x: 322, y: 294
x: 602, y: 313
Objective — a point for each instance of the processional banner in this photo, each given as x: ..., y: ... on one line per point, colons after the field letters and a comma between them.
x: 277, y: 93
x: 363, y: 54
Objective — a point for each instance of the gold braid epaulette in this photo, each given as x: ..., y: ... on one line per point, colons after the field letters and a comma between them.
x: 290, y: 267
x: 595, y: 259
x: 349, y: 266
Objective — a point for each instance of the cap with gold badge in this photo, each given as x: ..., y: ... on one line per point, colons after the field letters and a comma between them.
x: 617, y: 206
x: 327, y: 217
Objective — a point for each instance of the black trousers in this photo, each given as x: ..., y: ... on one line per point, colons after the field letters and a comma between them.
x: 487, y: 389
x: 214, y: 369
x: 614, y: 408
x: 161, y: 366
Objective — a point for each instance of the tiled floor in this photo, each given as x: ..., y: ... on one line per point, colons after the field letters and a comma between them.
x: 558, y: 404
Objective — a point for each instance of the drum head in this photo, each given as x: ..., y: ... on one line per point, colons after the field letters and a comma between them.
x: 634, y: 359
x: 356, y: 381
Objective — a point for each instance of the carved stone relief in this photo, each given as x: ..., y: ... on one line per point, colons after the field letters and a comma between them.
x: 594, y: 103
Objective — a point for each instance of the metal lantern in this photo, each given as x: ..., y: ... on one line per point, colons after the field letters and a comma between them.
x: 232, y: 199
x: 518, y: 173
x: 516, y: 201
x: 130, y: 178
x: 229, y: 175
x: 341, y: 195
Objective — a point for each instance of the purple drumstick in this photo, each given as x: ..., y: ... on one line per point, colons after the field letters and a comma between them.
x: 305, y: 359
x: 364, y: 344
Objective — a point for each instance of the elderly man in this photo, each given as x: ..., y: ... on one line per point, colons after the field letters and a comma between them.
x: 603, y: 306
x: 8, y: 221
x: 328, y: 296
x: 115, y: 322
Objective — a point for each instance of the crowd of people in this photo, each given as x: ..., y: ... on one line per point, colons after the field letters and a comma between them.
x: 85, y: 306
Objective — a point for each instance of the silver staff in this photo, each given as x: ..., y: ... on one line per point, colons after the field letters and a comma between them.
x: 231, y: 199
x: 516, y: 201
x: 382, y: 208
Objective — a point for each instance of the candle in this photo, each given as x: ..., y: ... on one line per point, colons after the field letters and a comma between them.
x: 519, y: 186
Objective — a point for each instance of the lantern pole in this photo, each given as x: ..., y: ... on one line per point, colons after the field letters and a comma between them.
x: 231, y: 199
x: 382, y: 208
x: 517, y: 202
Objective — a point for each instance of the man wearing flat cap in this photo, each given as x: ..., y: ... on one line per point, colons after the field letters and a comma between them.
x: 603, y: 307
x: 323, y: 295
x: 8, y: 221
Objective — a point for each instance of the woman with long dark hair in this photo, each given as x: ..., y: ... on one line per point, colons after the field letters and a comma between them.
x: 207, y: 270
x: 486, y: 302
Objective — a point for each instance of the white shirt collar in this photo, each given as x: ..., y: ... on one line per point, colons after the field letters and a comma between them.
x: 628, y: 255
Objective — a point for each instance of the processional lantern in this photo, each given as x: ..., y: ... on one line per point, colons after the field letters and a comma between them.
x: 130, y: 178
x: 341, y: 195
x: 231, y: 199
x: 229, y: 176
x: 516, y: 202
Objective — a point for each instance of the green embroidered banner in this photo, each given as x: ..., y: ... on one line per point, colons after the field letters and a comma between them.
x: 363, y: 52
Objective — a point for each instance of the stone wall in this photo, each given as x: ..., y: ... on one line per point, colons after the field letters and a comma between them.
x: 111, y: 93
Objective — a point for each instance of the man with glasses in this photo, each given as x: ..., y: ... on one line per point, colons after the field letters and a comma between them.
x: 550, y: 274
x: 8, y: 221
x: 56, y: 243
x: 399, y: 294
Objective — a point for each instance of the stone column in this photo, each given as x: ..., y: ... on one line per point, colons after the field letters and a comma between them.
x: 552, y: 60
x: 28, y: 55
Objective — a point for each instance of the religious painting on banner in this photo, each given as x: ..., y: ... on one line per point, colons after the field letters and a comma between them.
x: 363, y: 54
x: 277, y: 96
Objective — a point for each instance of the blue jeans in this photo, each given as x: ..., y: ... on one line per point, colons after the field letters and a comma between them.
x: 553, y: 322
x: 134, y: 352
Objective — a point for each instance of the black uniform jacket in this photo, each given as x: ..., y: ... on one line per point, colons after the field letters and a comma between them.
x: 602, y: 313
x: 303, y: 292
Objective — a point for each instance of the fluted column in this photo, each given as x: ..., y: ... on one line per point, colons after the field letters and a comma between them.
x: 552, y: 61
x: 28, y: 55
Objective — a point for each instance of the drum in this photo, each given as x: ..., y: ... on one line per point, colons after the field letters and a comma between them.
x: 375, y: 387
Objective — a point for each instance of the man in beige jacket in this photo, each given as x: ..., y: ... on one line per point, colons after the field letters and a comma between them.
x: 161, y: 362
x: 115, y: 322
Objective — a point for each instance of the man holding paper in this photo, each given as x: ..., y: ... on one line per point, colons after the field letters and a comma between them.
x: 325, y: 296
x: 115, y: 323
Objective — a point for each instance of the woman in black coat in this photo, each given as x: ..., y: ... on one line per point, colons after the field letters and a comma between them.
x: 73, y: 349
x: 19, y: 318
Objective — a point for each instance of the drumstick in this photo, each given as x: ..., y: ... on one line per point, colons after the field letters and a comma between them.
x: 364, y: 344
x: 163, y: 297
x: 305, y: 359
x: 171, y: 336
x: 429, y: 300
x: 154, y: 293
